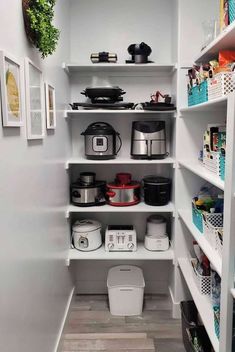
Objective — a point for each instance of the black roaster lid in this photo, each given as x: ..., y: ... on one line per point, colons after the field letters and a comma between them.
x: 156, y: 180
x: 99, y: 128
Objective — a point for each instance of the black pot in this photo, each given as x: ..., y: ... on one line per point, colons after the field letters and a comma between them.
x: 112, y: 93
x: 157, y: 190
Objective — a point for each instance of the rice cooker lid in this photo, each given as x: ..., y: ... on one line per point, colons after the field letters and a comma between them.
x: 99, y: 129
x: 156, y: 180
x: 86, y: 225
x: 125, y: 276
x: 156, y: 219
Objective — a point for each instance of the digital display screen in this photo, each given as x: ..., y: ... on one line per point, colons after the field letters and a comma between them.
x: 99, y: 142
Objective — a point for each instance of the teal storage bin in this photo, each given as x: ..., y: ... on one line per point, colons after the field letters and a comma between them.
x: 198, y: 94
x: 197, y: 218
x: 231, y: 10
x: 222, y: 167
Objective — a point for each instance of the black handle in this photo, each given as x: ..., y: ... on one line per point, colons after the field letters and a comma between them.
x: 120, y: 141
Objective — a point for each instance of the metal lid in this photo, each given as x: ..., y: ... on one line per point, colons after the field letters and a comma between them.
x: 156, y: 219
x: 86, y: 225
x: 156, y: 180
x: 99, y: 128
x: 125, y: 275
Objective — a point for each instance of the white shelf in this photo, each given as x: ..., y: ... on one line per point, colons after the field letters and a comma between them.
x: 119, y: 161
x: 213, y: 105
x: 214, y: 258
x: 80, y: 113
x: 139, y: 208
x: 224, y: 41
x: 203, y: 303
x: 141, y: 254
x: 166, y: 68
x: 197, y: 168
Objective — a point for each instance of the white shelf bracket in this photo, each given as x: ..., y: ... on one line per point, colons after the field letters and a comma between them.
x: 65, y: 68
x: 67, y: 262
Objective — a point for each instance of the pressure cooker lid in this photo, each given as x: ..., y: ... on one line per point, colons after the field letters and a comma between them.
x: 156, y: 219
x: 99, y: 128
x: 82, y: 226
x: 156, y: 180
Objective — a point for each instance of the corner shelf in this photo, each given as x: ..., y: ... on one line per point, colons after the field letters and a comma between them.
x: 198, y: 169
x: 119, y: 161
x: 202, y: 302
x: 141, y: 254
x: 138, y: 208
x: 121, y: 113
x: 212, y: 105
x: 224, y: 41
x: 214, y: 258
x: 90, y: 68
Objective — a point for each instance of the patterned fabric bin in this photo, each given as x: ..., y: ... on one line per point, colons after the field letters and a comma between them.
x: 198, y: 94
x: 197, y: 218
x: 231, y: 10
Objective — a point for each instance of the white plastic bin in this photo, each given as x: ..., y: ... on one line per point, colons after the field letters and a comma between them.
x: 126, y: 290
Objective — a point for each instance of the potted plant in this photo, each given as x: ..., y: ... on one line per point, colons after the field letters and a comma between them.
x: 38, y: 17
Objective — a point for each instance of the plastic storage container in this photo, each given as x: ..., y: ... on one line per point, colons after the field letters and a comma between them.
x: 126, y: 290
x: 197, y: 218
x: 221, y: 85
x: 231, y: 4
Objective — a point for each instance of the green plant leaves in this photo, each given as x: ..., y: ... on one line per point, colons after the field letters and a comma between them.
x: 45, y: 36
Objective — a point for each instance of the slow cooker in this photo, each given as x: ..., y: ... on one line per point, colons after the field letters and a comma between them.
x: 157, y: 190
x: 87, y: 191
x: 124, y: 191
x: 86, y: 235
x: 101, y: 141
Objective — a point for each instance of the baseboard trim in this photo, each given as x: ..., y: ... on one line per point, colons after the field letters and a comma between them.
x: 57, y: 345
x: 176, y: 313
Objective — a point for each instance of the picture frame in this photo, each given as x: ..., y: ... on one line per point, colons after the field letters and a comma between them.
x: 50, y: 106
x: 11, y: 91
x: 35, y: 101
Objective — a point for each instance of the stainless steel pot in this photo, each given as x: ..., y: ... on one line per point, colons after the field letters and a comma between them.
x: 88, y: 192
x: 123, y: 192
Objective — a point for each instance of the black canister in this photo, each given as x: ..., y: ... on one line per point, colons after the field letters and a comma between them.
x: 157, y: 190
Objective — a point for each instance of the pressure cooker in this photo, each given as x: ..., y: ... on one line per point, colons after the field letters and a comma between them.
x: 87, y: 191
x: 101, y: 141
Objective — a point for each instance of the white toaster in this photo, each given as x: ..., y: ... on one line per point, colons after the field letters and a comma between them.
x: 120, y: 238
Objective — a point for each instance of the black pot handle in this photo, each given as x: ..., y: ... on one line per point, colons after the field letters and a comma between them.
x: 120, y: 141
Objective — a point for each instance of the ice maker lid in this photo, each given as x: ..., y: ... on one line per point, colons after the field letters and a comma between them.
x: 125, y: 276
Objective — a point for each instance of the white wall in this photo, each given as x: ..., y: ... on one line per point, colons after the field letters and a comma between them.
x: 34, y: 282
x: 106, y: 25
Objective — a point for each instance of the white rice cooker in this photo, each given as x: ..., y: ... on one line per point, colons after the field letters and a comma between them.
x: 86, y: 235
x: 156, y: 238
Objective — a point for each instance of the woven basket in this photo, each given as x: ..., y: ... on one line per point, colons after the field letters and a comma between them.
x: 30, y: 34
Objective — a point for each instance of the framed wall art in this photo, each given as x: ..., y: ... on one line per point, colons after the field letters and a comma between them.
x: 35, y: 102
x: 50, y: 107
x: 11, y: 93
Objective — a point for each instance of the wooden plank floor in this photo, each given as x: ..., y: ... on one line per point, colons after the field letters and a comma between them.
x: 91, y: 328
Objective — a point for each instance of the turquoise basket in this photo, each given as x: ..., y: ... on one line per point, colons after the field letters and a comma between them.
x: 197, y: 218
x: 231, y: 10
x: 222, y: 167
x: 198, y: 94
x: 216, y: 310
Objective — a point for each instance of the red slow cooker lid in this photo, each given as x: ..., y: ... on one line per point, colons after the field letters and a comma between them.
x: 131, y: 185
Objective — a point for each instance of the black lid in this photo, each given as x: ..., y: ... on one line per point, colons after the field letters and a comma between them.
x: 153, y: 180
x: 81, y: 185
x: 99, y: 128
x: 148, y: 126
